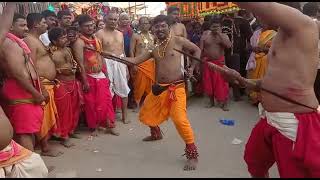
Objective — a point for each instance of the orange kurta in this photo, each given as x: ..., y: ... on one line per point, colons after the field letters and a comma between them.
x: 171, y: 103
x: 144, y: 79
x: 265, y: 40
x: 50, y: 112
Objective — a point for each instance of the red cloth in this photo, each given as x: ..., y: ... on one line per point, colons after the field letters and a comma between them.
x: 91, y: 59
x: 117, y: 102
x: 213, y: 82
x: 267, y: 145
x: 25, y: 118
x: 67, y: 100
x: 98, y: 103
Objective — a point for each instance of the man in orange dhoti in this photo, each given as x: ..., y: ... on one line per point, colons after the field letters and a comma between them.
x: 257, y: 63
x: 168, y: 98
x: 213, y: 43
x: 143, y: 74
x: 67, y: 93
x: 47, y: 72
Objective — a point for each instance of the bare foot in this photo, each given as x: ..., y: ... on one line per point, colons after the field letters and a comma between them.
x: 152, y: 138
x: 136, y: 110
x: 191, y: 165
x: 101, y: 129
x: 126, y: 121
x: 67, y: 143
x: 224, y: 107
x: 94, y: 133
x: 51, y: 153
x: 74, y: 136
x: 210, y: 105
x: 112, y: 131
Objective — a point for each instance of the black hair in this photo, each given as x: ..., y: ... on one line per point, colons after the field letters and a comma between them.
x: 171, y: 9
x: 83, y: 18
x: 48, y: 13
x: 63, y: 13
x: 55, y: 33
x: 205, y: 26
x: 144, y: 17
x: 161, y: 18
x: 214, y: 20
x: 33, y: 19
x: 310, y: 9
x: 207, y: 18
x: 18, y: 16
x: 242, y: 12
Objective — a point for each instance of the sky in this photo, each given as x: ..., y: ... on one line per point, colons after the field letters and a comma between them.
x: 153, y: 8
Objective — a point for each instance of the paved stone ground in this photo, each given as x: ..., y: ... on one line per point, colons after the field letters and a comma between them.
x: 127, y: 156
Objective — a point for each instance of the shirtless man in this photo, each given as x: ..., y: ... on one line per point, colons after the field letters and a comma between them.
x: 47, y: 73
x: 212, y: 44
x: 20, y: 89
x: 112, y: 42
x: 311, y: 9
x: 97, y: 96
x: 157, y: 106
x: 179, y: 29
x: 66, y: 95
x: 287, y: 133
x: 143, y: 76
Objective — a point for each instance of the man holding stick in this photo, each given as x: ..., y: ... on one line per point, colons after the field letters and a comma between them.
x: 288, y: 130
x: 168, y: 97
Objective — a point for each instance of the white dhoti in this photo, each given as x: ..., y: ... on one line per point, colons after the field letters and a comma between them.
x: 118, y: 76
x: 18, y: 162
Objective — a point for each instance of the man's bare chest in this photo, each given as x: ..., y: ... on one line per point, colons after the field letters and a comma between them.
x: 112, y: 42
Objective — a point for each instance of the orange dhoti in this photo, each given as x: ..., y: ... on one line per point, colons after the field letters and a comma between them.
x: 171, y: 103
x: 144, y: 79
x: 50, y: 111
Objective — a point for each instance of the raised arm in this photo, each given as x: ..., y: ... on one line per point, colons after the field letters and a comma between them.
x: 6, y: 19
x: 192, y: 48
x: 6, y: 132
x: 287, y: 18
x: 77, y: 48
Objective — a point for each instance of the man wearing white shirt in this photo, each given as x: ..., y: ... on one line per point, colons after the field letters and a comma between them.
x: 52, y: 21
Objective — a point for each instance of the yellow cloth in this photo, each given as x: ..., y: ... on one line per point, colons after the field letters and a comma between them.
x: 157, y: 109
x: 144, y: 79
x: 265, y: 40
x: 50, y: 112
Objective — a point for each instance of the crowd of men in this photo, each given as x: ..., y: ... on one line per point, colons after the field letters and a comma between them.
x: 57, y: 70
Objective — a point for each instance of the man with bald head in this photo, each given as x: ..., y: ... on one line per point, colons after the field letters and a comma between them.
x: 127, y: 31
x: 112, y: 42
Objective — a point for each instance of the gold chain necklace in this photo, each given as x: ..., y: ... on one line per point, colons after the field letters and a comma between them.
x: 163, y: 53
x: 146, y: 40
